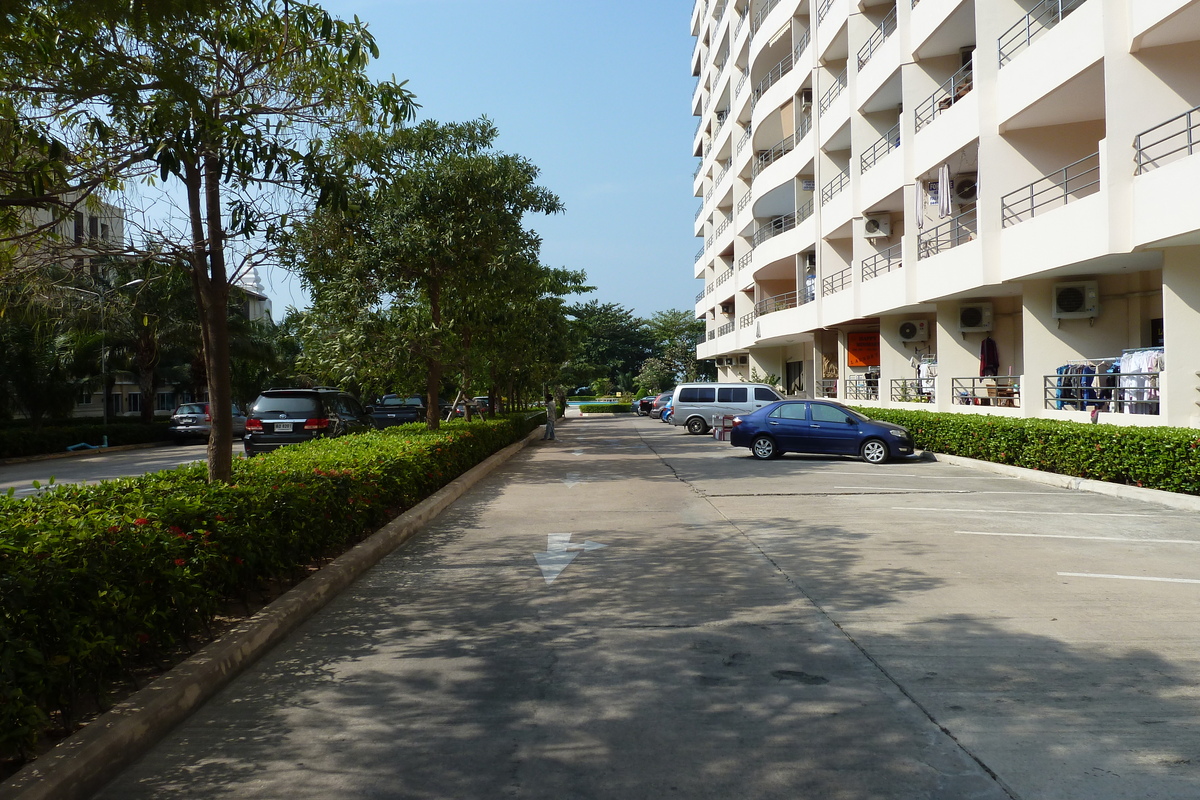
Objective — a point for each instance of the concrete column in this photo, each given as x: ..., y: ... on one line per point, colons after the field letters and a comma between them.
x: 1181, y: 330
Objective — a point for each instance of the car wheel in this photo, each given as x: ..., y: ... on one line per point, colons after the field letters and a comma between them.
x: 764, y: 448
x: 874, y: 451
x: 696, y: 425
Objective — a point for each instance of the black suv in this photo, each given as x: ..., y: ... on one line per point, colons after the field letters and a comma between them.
x: 392, y: 409
x: 288, y: 416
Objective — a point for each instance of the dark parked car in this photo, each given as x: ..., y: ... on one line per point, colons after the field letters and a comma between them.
x: 643, y: 405
x: 193, y: 421
x: 656, y: 406
x: 288, y: 416
x: 392, y: 409
x: 818, y: 426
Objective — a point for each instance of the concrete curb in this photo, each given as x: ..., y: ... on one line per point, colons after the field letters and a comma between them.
x: 81, y: 764
x: 1184, y: 502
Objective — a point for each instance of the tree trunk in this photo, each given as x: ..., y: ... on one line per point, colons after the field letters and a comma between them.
x: 433, y: 380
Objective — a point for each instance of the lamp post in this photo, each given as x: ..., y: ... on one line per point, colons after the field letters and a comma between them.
x: 101, y: 300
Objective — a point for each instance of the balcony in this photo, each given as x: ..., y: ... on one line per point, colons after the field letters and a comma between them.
x: 949, y: 93
x: 777, y: 72
x: 912, y: 390
x: 780, y: 302
x: 728, y: 327
x: 763, y: 11
x: 1044, y: 16
x: 1177, y: 138
x: 862, y: 388
x: 889, y: 142
x: 765, y: 158
x: 836, y: 282
x: 881, y: 34
x: 882, y: 262
x: 949, y: 234
x: 778, y: 225
x: 831, y: 94
x: 1002, y: 391
x: 746, y: 320
x: 835, y: 187
x: 1055, y: 190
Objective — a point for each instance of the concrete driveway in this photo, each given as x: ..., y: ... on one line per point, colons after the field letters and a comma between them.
x: 632, y: 612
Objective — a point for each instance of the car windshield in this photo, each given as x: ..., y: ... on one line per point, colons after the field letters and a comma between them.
x: 193, y: 408
x: 304, y: 405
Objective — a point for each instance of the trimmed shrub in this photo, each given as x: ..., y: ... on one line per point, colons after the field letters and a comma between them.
x: 1154, y: 458
x: 95, y: 579
x: 581, y: 398
x: 606, y: 408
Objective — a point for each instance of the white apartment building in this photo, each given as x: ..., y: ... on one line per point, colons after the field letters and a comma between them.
x: 985, y: 206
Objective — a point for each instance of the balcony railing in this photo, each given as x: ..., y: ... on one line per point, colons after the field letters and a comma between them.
x: 765, y: 9
x: 862, y: 388
x: 746, y: 320
x: 881, y: 34
x: 742, y: 142
x: 1176, y: 138
x: 741, y: 204
x: 724, y: 226
x: 1004, y: 391
x: 1120, y: 392
x: 956, y: 88
x: 912, y: 390
x: 827, y: 387
x: 764, y: 158
x: 746, y: 260
x: 1072, y: 182
x: 882, y: 262
x: 700, y: 295
x: 889, y: 142
x: 728, y: 327
x: 823, y: 10
x: 699, y: 254
x: 950, y: 233
x: 832, y: 93
x: 774, y: 227
x: 836, y: 282
x: 834, y: 187
x: 779, y: 302
x: 779, y: 70
x: 1044, y: 16
x: 724, y: 276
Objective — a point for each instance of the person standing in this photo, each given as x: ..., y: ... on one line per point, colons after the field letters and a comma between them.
x: 551, y: 411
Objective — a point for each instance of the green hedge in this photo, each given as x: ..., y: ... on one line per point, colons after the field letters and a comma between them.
x: 606, y: 408
x: 16, y: 442
x: 1155, y: 458
x: 581, y: 398
x: 96, y: 579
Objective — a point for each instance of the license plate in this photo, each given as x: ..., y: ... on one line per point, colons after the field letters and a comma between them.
x: 283, y: 427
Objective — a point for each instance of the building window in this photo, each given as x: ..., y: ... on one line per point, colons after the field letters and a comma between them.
x: 165, y: 401
x: 85, y: 398
x: 133, y: 401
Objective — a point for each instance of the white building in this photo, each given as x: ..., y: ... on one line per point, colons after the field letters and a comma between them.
x: 1067, y: 232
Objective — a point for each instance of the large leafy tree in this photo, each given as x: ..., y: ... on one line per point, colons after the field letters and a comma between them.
x: 231, y: 104
x: 611, y: 343
x: 434, y: 252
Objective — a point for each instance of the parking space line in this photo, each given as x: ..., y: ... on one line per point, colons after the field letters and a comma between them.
x: 1030, y: 513
x: 1086, y: 538
x: 1125, y: 577
x: 901, y: 489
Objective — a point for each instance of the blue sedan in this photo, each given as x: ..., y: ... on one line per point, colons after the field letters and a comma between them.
x: 818, y: 426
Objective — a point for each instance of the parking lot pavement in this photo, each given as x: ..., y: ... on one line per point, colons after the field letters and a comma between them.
x: 1049, y: 631
x: 585, y: 623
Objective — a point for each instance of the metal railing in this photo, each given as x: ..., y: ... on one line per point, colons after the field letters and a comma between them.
x: 1120, y: 392
x: 889, y: 142
x: 712, y: 335
x: 1003, y: 391
x: 827, y: 387
x: 832, y: 93
x: 912, y: 390
x: 1181, y: 138
x: 746, y: 320
x: 882, y: 262
x: 700, y: 295
x: 862, y: 388
x: 1044, y: 16
x: 950, y: 233
x: 745, y: 260
x: 779, y: 302
x: 1080, y: 179
x: 741, y: 204
x: 774, y: 227
x: 836, y: 282
x: 823, y: 10
x: 724, y: 276
x: 765, y: 9
x: 764, y: 158
x: 957, y: 87
x: 722, y: 227
x: 881, y: 34
x: 728, y: 327
x: 804, y: 127
x: 699, y: 254
x: 777, y: 72
x: 835, y: 187
x: 742, y: 142
x: 699, y: 211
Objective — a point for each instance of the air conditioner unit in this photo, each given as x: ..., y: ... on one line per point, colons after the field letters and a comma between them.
x: 806, y: 97
x: 975, y: 317
x: 810, y: 258
x: 726, y: 308
x: 743, y: 360
x: 966, y: 187
x: 877, y: 226
x: 914, y: 330
x: 1076, y: 300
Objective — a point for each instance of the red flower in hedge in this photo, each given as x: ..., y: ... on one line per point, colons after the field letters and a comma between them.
x: 238, y: 561
x: 220, y: 518
x: 179, y: 562
x: 114, y: 528
x: 175, y: 529
x: 143, y: 638
x: 141, y: 521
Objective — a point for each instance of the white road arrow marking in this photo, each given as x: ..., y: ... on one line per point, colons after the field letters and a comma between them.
x: 573, y: 479
x: 560, y: 552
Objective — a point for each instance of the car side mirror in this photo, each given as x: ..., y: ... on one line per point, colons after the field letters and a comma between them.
x: 851, y: 421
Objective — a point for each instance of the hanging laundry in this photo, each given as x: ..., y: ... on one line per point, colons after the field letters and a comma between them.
x: 989, y: 358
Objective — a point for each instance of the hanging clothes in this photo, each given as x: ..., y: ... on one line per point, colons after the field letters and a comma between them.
x: 944, y: 207
x: 989, y: 358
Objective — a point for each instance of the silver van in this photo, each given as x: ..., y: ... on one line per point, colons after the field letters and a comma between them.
x: 695, y: 405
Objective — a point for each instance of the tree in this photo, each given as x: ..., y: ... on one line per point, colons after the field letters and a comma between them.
x: 610, y: 342
x: 231, y: 102
x: 434, y: 251
x: 676, y: 334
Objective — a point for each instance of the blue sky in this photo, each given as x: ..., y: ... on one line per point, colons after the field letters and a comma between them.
x: 596, y: 94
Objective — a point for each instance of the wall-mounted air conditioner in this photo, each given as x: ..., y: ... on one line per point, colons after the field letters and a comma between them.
x: 726, y: 308
x: 806, y: 97
x: 1076, y: 300
x: 975, y: 317
x: 966, y: 187
x: 810, y: 258
x: 877, y: 226
x: 743, y: 360
x: 914, y: 330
